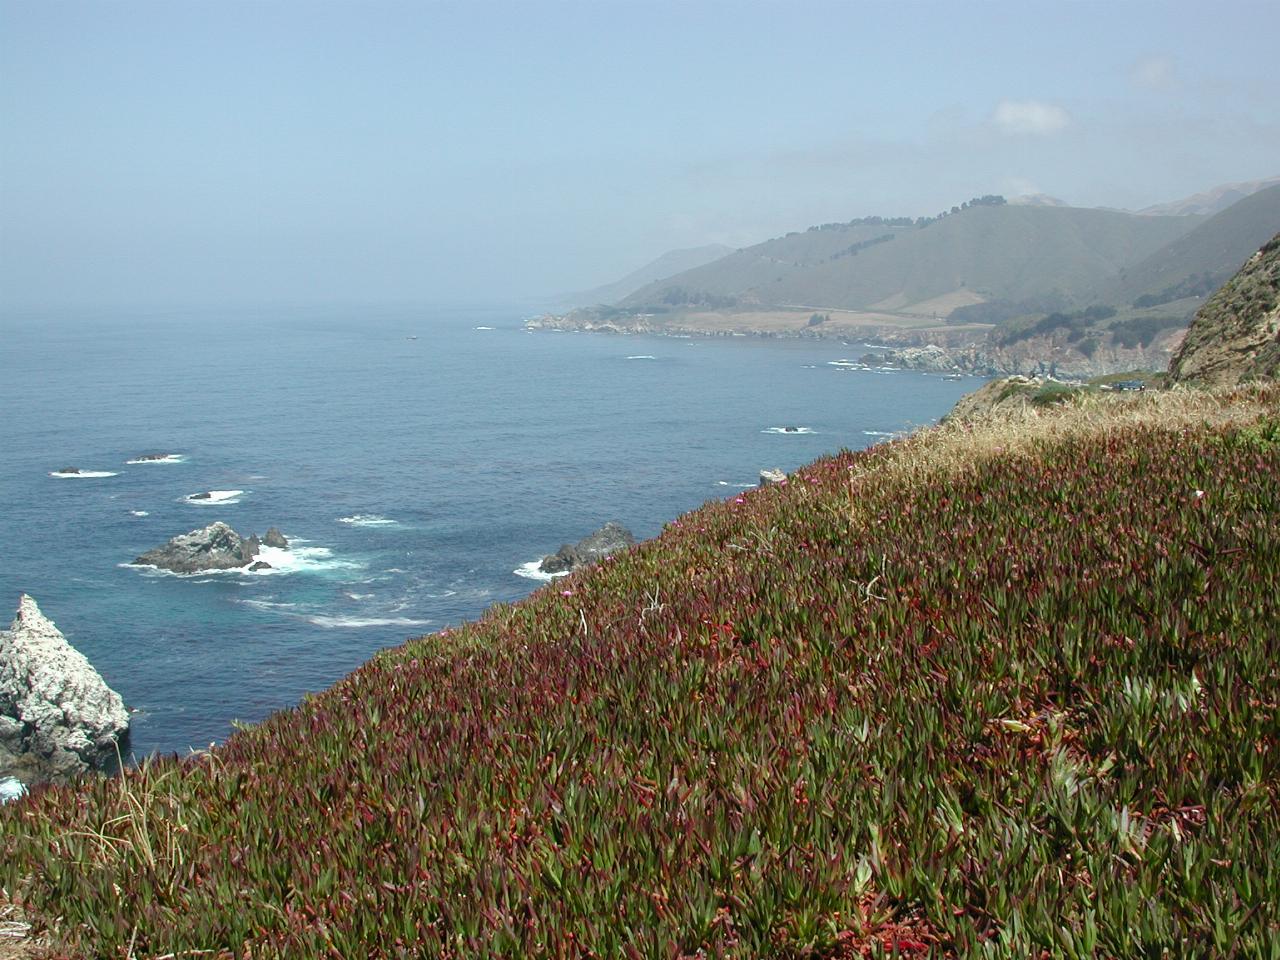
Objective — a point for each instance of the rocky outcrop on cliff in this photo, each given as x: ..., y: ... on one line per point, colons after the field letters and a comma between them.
x: 606, y: 541
x: 1007, y: 397
x: 58, y: 717
x: 215, y: 547
x: 1235, y: 336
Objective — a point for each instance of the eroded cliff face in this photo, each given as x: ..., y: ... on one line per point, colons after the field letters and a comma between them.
x: 58, y: 717
x: 1235, y: 336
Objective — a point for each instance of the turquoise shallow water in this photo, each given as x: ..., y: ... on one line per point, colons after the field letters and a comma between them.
x: 415, y: 461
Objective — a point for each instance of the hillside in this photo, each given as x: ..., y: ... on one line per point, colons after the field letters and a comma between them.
x: 993, y: 690
x: 669, y: 264
x: 1211, y: 201
x: 1198, y: 262
x: 1235, y: 336
x: 984, y: 252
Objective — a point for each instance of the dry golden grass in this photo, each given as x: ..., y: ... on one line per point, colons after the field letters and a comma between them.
x: 1020, y: 431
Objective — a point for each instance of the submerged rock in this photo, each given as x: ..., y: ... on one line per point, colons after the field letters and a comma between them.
x: 58, y: 717
x: 215, y: 547
x: 606, y: 541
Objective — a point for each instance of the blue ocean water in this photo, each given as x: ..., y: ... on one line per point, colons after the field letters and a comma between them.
x: 416, y: 459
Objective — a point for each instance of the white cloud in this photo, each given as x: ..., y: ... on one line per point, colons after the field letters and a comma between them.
x: 1154, y: 73
x: 1030, y: 116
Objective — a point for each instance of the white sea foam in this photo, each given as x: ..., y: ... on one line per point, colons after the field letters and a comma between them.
x: 166, y: 458
x: 368, y: 520
x: 722, y: 483
x: 484, y: 328
x: 879, y: 433
x: 267, y: 605
x: 532, y: 571
x: 139, y: 513
x: 83, y: 474
x: 852, y: 364
x: 332, y: 622
x: 643, y: 356
x: 221, y: 497
x: 11, y: 788
x: 790, y: 431
x: 298, y: 559
x: 358, y: 596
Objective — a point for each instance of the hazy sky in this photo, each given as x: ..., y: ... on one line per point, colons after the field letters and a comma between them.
x: 209, y: 151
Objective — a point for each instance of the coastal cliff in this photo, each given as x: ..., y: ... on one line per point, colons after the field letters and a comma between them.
x: 58, y: 717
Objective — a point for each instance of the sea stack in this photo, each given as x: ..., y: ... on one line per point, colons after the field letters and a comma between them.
x: 215, y: 547
x: 58, y: 717
x: 606, y: 541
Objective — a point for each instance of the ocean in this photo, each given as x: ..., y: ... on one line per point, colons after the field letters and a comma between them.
x: 420, y: 461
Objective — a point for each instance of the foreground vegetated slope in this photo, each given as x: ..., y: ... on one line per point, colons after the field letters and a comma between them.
x: 1235, y: 336
x: 985, y: 692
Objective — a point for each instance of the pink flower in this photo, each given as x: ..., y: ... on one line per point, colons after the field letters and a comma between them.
x: 566, y: 593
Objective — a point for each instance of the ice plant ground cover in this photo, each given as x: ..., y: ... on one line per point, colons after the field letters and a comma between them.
x: 997, y: 691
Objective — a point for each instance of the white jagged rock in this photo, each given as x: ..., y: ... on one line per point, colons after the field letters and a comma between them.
x: 58, y: 717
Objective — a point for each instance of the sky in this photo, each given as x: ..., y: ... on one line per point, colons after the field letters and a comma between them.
x: 211, y: 152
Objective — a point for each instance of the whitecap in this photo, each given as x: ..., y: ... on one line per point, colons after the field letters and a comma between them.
x: 83, y: 474
x: 722, y: 483
x: 298, y: 559
x: 533, y: 571
x: 358, y: 596
x: 11, y: 788
x: 159, y: 458
x: 879, y: 433
x: 484, y: 328
x: 221, y: 497
x: 368, y: 520
x: 331, y: 622
x: 151, y: 570
x: 139, y: 513
x: 643, y: 356
x: 790, y: 431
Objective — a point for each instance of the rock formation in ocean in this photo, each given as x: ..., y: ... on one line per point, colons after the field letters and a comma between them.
x: 608, y: 540
x: 768, y: 477
x: 1235, y: 336
x: 215, y: 547
x: 58, y: 717
x: 274, y: 538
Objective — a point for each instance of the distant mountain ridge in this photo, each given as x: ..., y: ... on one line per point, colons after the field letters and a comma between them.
x: 1211, y: 201
x: 984, y: 251
x: 669, y: 264
x: 1199, y: 261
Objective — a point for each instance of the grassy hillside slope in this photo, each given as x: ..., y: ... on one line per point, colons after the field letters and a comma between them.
x: 998, y: 252
x: 998, y: 691
x: 1212, y: 252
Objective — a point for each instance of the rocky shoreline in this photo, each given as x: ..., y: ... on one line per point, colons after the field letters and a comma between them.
x: 942, y: 350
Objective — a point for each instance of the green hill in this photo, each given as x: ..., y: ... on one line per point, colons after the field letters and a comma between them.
x: 985, y: 252
x: 990, y: 691
x: 1198, y: 262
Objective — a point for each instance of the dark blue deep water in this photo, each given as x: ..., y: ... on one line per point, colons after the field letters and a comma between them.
x: 414, y: 475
